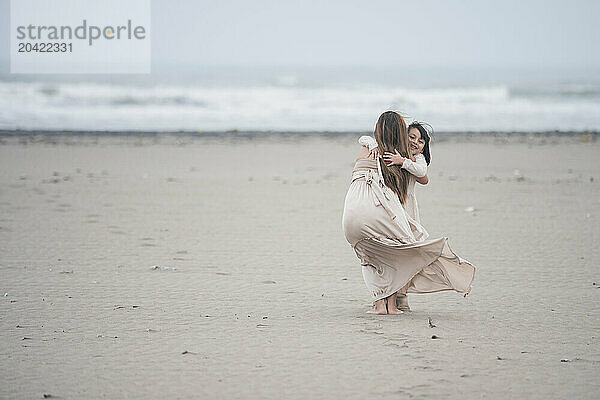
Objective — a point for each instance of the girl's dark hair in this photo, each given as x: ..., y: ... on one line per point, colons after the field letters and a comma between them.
x: 425, y: 135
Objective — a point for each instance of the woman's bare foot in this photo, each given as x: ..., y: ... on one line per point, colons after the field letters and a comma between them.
x: 391, y: 305
x: 379, y: 308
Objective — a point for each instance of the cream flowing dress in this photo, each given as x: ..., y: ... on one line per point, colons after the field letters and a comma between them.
x: 395, y: 252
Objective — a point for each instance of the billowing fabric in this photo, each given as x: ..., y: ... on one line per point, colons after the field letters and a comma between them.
x: 393, y: 248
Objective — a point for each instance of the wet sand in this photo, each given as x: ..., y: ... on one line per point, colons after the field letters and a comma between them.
x: 263, y: 297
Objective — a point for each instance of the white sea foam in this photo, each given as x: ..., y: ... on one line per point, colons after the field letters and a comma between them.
x: 286, y: 105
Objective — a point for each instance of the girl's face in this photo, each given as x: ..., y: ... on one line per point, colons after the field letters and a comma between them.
x: 416, y: 141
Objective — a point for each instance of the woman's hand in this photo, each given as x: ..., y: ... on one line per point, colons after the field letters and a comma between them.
x: 393, y: 158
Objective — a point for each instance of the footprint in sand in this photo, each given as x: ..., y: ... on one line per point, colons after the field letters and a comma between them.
x: 63, y: 207
x: 146, y: 240
x: 116, y: 230
x: 392, y: 343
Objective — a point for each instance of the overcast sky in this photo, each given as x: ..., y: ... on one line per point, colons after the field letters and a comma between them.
x: 508, y: 33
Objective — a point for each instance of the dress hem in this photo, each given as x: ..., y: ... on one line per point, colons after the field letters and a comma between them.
x: 460, y: 262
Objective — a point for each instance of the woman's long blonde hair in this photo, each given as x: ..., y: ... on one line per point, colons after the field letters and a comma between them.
x: 391, y: 134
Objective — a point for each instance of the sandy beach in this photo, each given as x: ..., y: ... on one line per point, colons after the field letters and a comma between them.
x: 257, y: 295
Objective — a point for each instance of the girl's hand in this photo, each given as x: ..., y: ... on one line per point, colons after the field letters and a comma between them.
x: 393, y: 159
x: 374, y: 153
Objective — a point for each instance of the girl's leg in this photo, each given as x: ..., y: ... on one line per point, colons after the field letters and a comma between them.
x: 402, y: 302
x: 378, y: 308
x: 391, y: 305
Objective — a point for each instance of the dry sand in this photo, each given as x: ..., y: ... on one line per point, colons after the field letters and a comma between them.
x: 267, y: 299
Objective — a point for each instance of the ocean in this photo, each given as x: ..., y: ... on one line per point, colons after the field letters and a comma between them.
x: 303, y: 99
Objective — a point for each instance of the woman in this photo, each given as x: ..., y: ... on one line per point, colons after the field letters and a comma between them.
x: 393, y: 256
x: 419, y: 139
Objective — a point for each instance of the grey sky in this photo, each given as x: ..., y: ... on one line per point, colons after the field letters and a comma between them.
x: 378, y: 33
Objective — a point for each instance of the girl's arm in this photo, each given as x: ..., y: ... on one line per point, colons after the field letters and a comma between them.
x: 424, y: 180
x: 418, y: 167
x: 368, y: 141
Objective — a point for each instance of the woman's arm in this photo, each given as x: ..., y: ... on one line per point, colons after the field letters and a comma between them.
x: 364, y: 153
x: 371, y: 144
